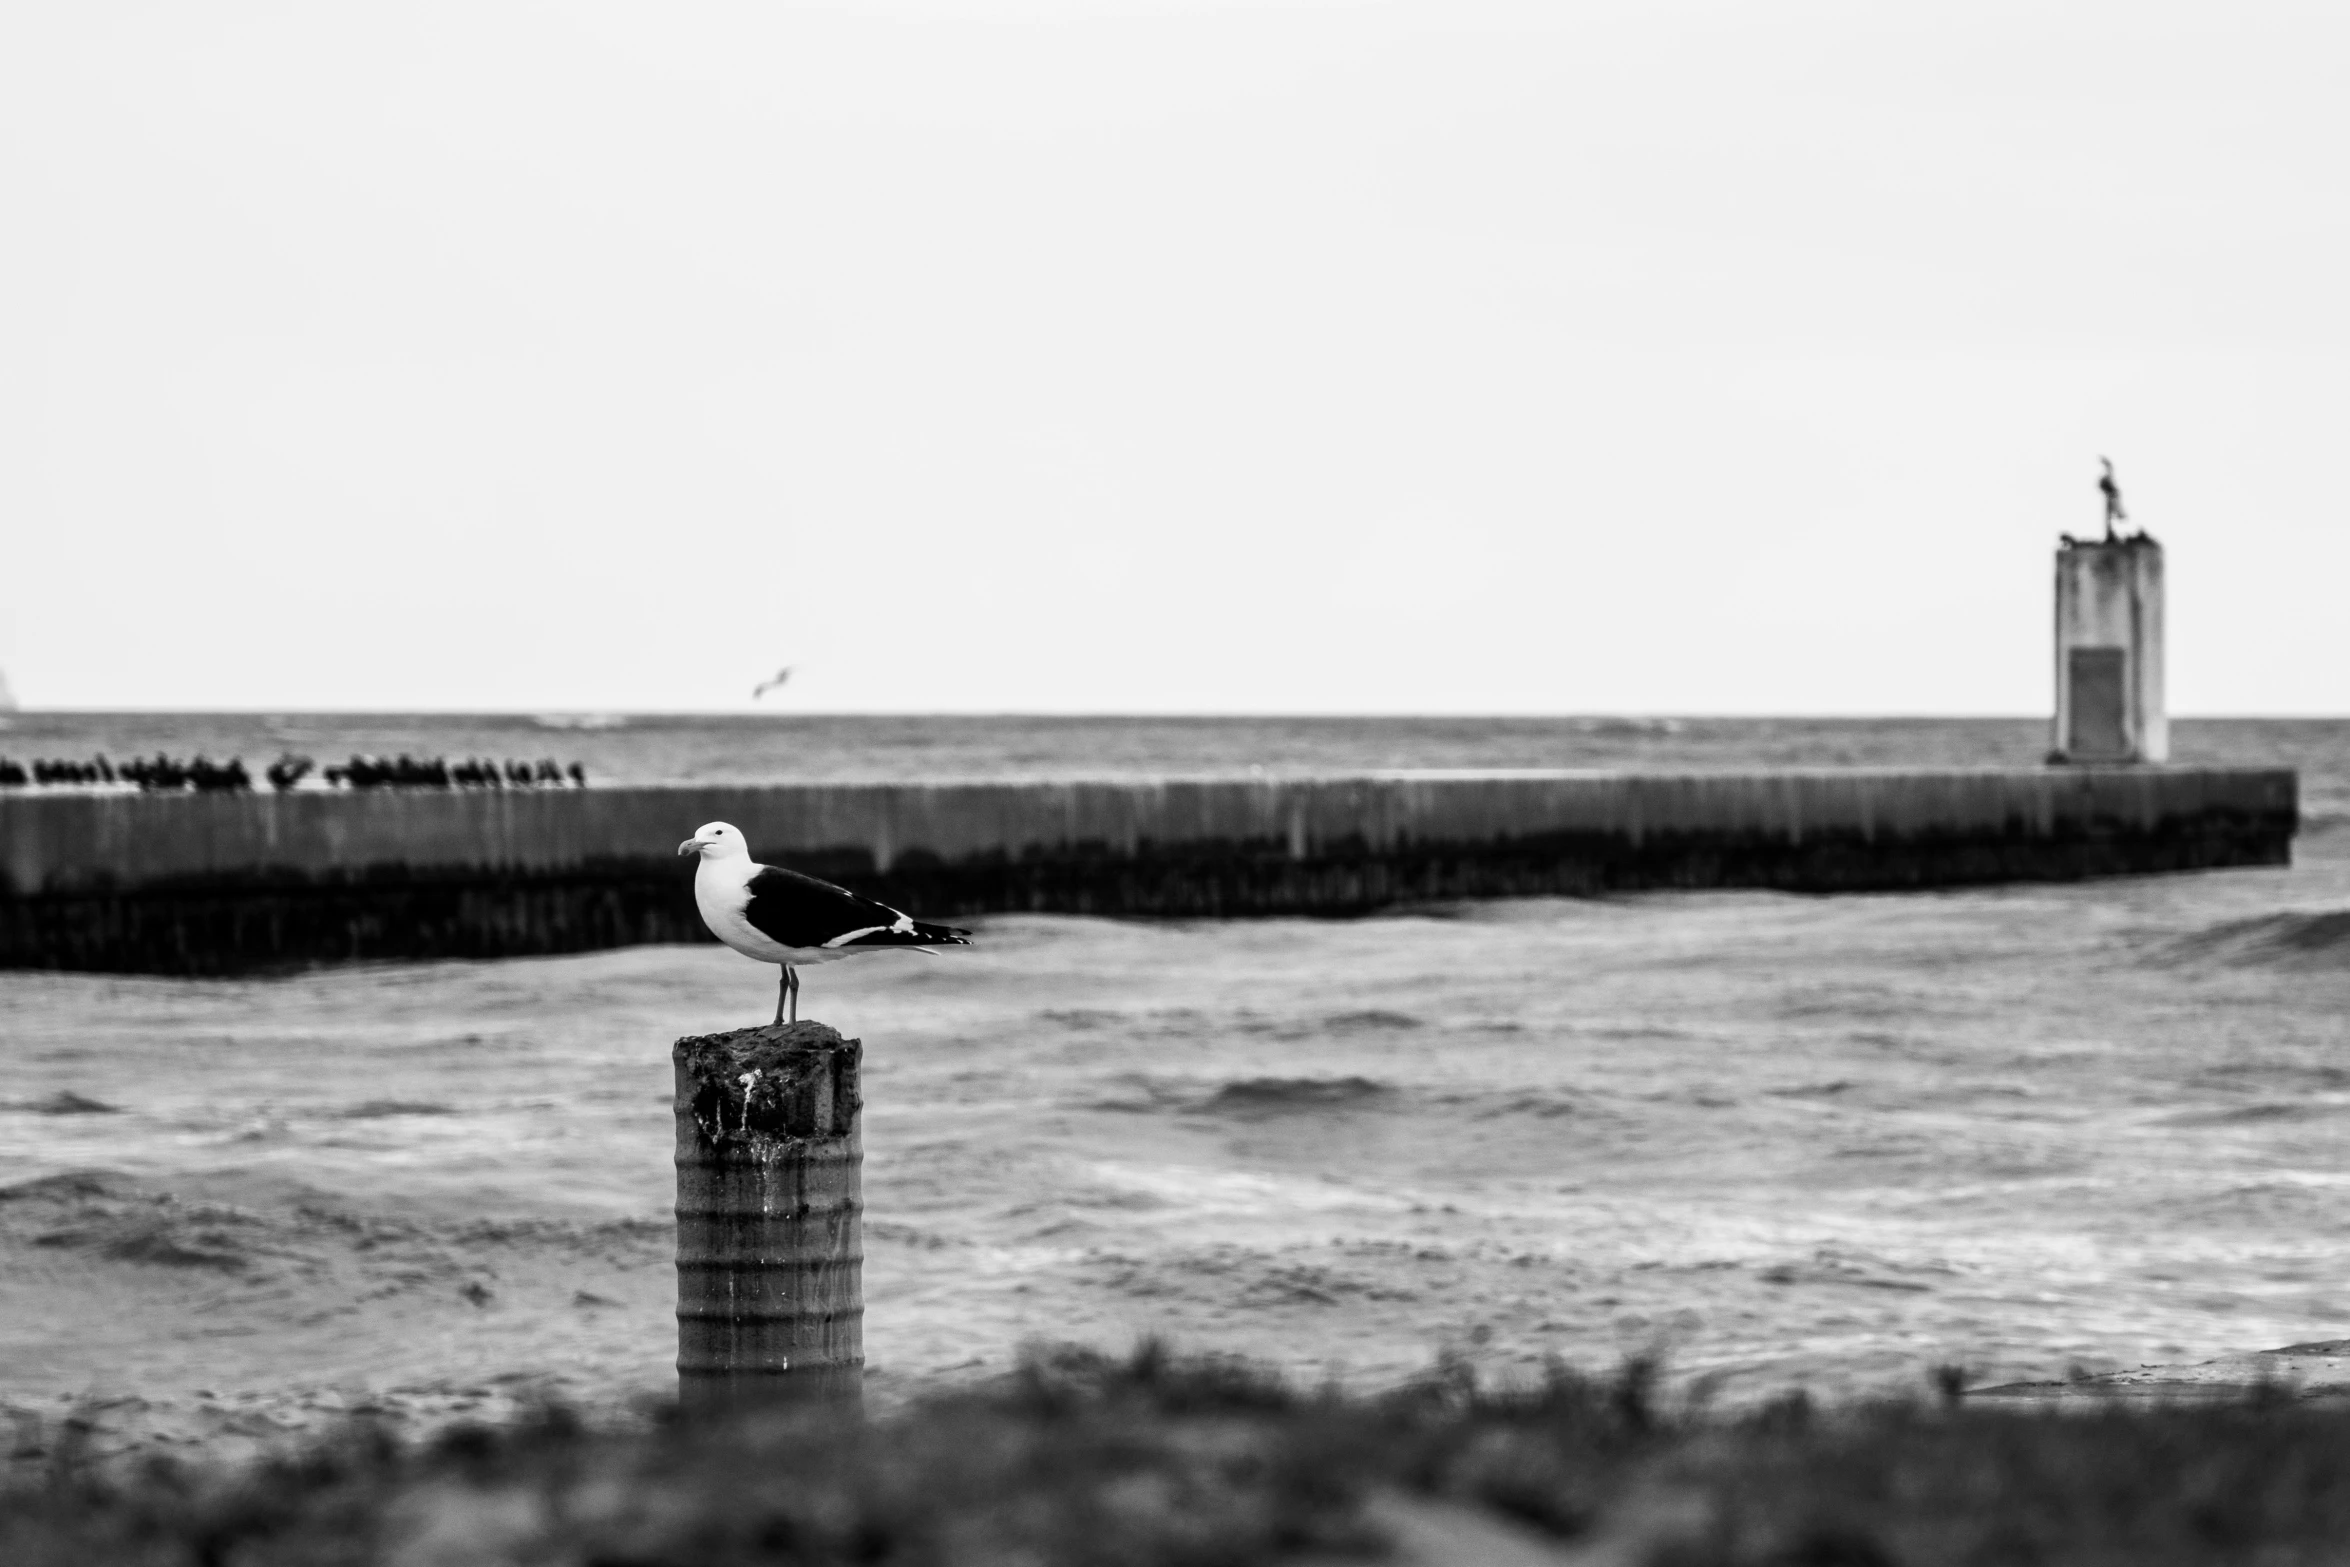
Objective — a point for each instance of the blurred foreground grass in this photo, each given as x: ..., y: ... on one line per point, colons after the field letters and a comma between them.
x: 1157, y: 1459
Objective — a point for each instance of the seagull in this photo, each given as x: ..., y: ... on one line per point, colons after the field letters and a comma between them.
x: 2113, y: 498
x: 765, y: 686
x: 782, y: 917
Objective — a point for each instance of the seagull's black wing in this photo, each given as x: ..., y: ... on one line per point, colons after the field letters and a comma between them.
x: 800, y: 911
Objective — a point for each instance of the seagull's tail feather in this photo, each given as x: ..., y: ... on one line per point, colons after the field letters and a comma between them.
x: 917, y: 935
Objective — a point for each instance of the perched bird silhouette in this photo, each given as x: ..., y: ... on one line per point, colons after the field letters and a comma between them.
x: 779, y: 916
x: 765, y: 686
x: 2113, y: 498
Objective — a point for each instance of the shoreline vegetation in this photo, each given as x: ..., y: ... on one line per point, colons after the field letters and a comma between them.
x: 1160, y: 1458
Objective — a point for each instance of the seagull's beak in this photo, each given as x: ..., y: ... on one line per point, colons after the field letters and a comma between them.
x: 692, y: 846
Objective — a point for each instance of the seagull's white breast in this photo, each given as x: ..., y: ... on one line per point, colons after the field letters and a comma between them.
x: 722, y: 890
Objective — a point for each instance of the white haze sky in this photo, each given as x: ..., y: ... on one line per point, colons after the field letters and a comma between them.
x: 1459, y: 357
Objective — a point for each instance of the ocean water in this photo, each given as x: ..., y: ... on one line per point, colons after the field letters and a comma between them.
x: 1786, y: 1140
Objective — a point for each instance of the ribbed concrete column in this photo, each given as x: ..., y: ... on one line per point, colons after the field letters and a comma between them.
x: 770, y: 1234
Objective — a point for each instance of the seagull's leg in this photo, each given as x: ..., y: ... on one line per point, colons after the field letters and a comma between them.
x: 782, y: 989
x: 793, y: 980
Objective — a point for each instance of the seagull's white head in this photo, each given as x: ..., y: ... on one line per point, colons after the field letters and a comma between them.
x: 716, y: 841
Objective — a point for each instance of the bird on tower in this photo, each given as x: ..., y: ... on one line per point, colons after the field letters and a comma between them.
x: 782, y: 917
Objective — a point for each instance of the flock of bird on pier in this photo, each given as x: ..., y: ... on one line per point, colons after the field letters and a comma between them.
x: 167, y: 774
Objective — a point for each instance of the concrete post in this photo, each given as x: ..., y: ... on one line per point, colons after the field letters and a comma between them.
x: 2109, y: 702
x: 770, y: 1205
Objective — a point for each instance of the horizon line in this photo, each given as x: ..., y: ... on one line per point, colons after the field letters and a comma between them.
x: 1619, y: 714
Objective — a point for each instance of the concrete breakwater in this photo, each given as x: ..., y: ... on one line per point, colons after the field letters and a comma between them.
x: 223, y: 883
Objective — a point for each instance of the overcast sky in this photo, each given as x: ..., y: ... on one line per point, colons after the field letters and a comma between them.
x: 1452, y: 357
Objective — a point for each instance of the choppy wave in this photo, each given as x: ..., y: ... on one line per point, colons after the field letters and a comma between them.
x: 113, y: 1216
x: 107, y: 1217
x: 383, y: 1109
x: 2311, y: 937
x: 1335, y: 1025
x: 1857, y: 1270
x: 1269, y: 1096
x: 2264, y: 1205
x: 2275, y: 1077
x: 2262, y: 1110
x: 63, y: 1102
x: 1532, y: 1102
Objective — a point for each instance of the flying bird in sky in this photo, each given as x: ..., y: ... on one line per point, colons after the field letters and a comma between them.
x: 765, y: 686
x: 782, y: 917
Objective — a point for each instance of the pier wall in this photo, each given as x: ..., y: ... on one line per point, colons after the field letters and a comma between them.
x: 226, y: 883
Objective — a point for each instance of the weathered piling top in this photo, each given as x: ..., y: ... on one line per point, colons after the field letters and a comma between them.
x: 778, y: 1082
